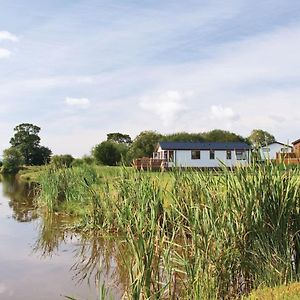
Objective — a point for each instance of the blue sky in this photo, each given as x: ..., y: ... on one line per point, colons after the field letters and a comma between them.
x: 80, y: 69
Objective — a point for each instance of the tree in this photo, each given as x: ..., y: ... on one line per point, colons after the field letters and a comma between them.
x: 12, y: 160
x: 108, y: 153
x: 27, y: 141
x: 41, y: 156
x: 119, y: 138
x: 218, y: 135
x: 144, y: 144
x: 184, y: 137
x: 259, y: 137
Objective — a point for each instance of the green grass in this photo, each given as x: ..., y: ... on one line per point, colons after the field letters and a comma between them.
x: 190, y: 235
x: 30, y: 173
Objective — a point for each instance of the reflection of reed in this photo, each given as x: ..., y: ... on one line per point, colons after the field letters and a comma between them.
x: 101, y: 258
x: 97, y: 259
x: 51, y: 234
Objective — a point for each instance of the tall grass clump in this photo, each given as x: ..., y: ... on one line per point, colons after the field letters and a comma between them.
x: 197, y: 234
x: 61, y: 186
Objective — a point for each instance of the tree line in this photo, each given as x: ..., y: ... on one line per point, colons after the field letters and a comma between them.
x: 118, y: 148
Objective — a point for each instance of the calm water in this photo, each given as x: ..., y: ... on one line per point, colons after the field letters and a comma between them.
x: 39, y: 259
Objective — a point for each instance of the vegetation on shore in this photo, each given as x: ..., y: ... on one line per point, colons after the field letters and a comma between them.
x: 282, y: 292
x: 191, y: 235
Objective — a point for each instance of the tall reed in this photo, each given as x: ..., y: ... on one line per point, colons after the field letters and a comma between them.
x: 194, y: 234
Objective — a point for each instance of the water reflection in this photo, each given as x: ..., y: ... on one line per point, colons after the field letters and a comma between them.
x: 21, y: 195
x: 52, y: 234
x: 97, y: 259
x: 102, y: 257
x: 37, y: 248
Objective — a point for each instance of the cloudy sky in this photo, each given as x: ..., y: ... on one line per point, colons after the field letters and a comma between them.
x: 82, y: 68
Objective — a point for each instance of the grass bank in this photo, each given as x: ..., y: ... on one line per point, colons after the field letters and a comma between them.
x: 190, y: 235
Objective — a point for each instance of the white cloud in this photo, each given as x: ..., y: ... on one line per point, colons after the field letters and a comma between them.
x: 4, y: 53
x: 5, y: 35
x: 78, y: 102
x: 223, y: 113
x: 166, y: 106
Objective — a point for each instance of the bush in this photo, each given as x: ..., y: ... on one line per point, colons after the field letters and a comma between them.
x: 60, y: 161
x: 109, y: 153
x: 12, y: 161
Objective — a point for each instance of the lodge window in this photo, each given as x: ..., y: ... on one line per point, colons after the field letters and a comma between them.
x: 241, y: 155
x: 195, y: 154
x: 284, y: 150
x: 211, y: 154
x: 228, y: 154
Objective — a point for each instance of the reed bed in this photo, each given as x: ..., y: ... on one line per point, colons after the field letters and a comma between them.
x: 195, y: 234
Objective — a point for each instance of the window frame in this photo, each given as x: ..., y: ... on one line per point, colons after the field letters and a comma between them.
x: 229, y: 154
x: 193, y: 152
x: 212, y: 154
x: 241, y: 154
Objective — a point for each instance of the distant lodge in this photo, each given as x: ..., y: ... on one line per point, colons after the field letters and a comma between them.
x: 215, y: 154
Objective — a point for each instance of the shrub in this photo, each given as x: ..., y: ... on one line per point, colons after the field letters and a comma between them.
x: 12, y: 161
x: 60, y: 161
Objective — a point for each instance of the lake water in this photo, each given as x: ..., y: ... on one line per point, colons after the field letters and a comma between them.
x: 41, y: 260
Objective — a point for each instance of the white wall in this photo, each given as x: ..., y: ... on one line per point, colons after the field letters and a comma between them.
x: 269, y: 151
x: 183, y: 159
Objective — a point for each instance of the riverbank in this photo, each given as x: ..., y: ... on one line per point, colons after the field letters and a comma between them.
x: 189, y: 234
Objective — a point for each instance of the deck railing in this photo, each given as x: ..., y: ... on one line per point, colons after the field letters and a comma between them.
x: 147, y: 163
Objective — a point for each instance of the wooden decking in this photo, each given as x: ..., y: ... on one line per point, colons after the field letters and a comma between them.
x: 146, y: 163
x: 288, y: 158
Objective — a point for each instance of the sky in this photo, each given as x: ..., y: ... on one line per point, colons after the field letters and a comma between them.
x: 80, y: 69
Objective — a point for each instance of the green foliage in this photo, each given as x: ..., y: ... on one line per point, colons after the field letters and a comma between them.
x: 218, y: 135
x: 40, y: 156
x: 60, y: 161
x: 260, y: 137
x: 85, y: 160
x: 67, y: 185
x: 196, y: 235
x: 109, y: 153
x: 119, y: 138
x: 27, y: 141
x: 183, y: 137
x: 144, y: 144
x: 12, y: 160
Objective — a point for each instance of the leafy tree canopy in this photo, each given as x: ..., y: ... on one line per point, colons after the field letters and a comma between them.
x: 12, y: 160
x: 119, y: 138
x: 108, y: 153
x: 218, y: 135
x: 27, y: 141
x: 144, y: 144
x: 183, y: 137
x: 259, y: 137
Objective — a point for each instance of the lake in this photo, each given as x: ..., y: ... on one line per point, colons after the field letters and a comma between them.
x: 40, y: 259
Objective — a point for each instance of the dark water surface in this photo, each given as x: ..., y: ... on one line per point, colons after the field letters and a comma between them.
x: 40, y: 260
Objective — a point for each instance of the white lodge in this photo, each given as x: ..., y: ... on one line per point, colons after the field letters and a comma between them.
x: 270, y: 151
x: 203, y: 154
